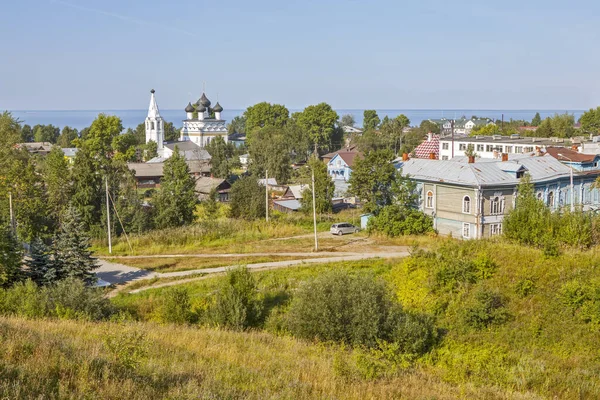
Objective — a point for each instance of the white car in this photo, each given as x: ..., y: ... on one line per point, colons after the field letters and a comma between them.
x: 343, y: 228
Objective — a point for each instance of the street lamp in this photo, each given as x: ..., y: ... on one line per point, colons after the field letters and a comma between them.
x: 572, y: 188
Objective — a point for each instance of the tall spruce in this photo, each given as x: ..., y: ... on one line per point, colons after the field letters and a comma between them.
x: 10, y: 257
x: 176, y: 201
x: 73, y: 258
x: 40, y: 263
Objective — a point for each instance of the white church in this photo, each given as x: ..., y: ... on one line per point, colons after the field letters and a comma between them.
x: 202, y: 125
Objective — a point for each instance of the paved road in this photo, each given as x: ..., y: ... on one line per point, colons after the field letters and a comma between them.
x: 120, y: 274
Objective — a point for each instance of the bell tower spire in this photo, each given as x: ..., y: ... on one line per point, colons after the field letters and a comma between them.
x: 155, y: 125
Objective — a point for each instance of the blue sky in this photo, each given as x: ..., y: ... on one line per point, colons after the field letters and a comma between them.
x: 86, y: 54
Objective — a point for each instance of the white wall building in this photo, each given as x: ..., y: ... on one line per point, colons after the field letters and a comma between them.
x: 203, y: 123
x: 494, y: 146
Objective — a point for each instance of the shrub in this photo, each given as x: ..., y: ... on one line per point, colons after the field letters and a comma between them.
x: 525, y: 287
x: 24, y: 299
x: 357, y: 310
x: 176, y: 307
x: 396, y: 220
x: 71, y: 298
x: 127, y: 348
x: 487, y: 309
x: 237, y: 304
x: 247, y: 199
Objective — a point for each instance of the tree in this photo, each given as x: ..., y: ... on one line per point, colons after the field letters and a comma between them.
x: 10, y: 257
x: 269, y: 149
x: 10, y: 130
x: 486, y: 130
x: 222, y: 157
x: 559, y: 125
x: 347, y: 120
x: 211, y: 206
x: 176, y: 200
x: 103, y: 131
x: 370, y: 120
x: 529, y: 222
x: 590, y: 121
x: 67, y: 136
x: 46, y: 133
x: 87, y: 195
x: 72, y: 255
x: 265, y: 114
x: 124, y: 147
x: 149, y: 150
x: 324, y: 188
x: 237, y: 125
x: 537, y: 120
x: 171, y: 133
x: 57, y: 178
x: 40, y: 263
x: 140, y: 134
x: 398, y: 220
x: 392, y: 131
x: 26, y: 134
x: 237, y: 304
x: 319, y: 122
x: 247, y: 199
x: 428, y: 126
x: 375, y: 180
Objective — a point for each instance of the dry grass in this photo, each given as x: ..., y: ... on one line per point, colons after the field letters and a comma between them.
x: 65, y: 359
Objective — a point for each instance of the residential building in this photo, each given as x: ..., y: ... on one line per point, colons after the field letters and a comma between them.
x: 469, y: 199
x: 238, y: 139
x: 351, y: 129
x: 41, y: 148
x: 574, y: 159
x: 430, y: 148
x: 148, y: 175
x: 340, y: 166
x: 327, y: 157
x: 462, y: 126
x: 287, y: 206
x: 493, y: 146
x: 205, y: 185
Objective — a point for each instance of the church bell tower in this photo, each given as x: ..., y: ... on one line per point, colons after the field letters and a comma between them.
x: 155, y: 125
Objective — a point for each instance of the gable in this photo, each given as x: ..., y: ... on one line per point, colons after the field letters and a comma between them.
x: 334, y: 161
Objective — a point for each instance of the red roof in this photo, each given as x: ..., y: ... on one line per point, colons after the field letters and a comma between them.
x: 570, y: 155
x: 428, y: 146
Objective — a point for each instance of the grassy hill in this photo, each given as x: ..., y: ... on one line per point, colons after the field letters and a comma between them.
x: 512, y: 322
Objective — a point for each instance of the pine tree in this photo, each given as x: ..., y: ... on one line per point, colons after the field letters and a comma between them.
x: 537, y: 120
x: 176, y: 201
x: 40, y: 265
x: 211, y: 206
x: 10, y: 258
x: 73, y: 257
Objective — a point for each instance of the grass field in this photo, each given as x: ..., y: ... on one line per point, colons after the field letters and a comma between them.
x: 67, y: 359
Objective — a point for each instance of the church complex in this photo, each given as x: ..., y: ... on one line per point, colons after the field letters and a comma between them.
x: 203, y: 124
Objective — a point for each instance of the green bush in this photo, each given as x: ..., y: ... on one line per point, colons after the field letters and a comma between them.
x: 396, y: 220
x: 67, y: 299
x: 525, y: 287
x: 357, y: 310
x: 487, y: 309
x: 237, y: 304
x: 176, y: 307
x: 128, y: 348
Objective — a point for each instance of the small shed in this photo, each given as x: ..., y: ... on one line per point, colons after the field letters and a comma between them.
x: 286, y: 206
x: 364, y: 220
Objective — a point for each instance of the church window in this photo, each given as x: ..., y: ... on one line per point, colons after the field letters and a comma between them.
x: 151, y: 125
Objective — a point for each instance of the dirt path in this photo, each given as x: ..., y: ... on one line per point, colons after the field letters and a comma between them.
x: 122, y: 274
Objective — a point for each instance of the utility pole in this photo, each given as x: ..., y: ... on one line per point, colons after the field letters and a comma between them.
x: 12, y: 216
x: 314, y: 211
x: 267, y: 194
x: 108, y: 216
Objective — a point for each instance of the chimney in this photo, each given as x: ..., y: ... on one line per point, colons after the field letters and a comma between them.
x: 504, y: 156
x: 432, y: 156
x: 404, y: 156
x: 574, y: 148
x: 429, y: 136
x: 471, y: 159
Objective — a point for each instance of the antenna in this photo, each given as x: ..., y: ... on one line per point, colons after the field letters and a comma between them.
x: 204, y: 87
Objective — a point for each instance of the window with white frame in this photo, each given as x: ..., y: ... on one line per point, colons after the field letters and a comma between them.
x: 479, y: 147
x: 466, y: 232
x: 429, y: 200
x: 495, y: 229
x: 467, y: 205
x: 445, y: 146
x: 519, y: 149
x: 508, y: 149
x: 462, y: 147
x: 497, y: 206
x: 444, y: 157
x: 489, y: 148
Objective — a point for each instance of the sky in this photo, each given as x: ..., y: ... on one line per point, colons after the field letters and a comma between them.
x: 352, y: 54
